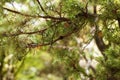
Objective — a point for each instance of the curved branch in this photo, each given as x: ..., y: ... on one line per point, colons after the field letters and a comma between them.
x: 100, y: 43
x: 20, y: 33
x: 33, y: 45
x: 29, y: 33
x: 99, y: 36
x: 37, y: 16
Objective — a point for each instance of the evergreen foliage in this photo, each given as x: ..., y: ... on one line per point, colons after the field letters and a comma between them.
x: 58, y: 33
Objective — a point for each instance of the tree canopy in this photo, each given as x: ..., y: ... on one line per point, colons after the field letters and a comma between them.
x: 71, y: 39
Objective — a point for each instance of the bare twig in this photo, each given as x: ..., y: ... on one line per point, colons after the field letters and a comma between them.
x: 41, y: 7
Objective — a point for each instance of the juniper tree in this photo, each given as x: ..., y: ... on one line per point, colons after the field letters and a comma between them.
x: 62, y: 27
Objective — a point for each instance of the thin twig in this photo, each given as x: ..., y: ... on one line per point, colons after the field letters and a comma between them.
x: 41, y: 7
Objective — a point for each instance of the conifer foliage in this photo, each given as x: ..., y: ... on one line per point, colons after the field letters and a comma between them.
x: 64, y: 29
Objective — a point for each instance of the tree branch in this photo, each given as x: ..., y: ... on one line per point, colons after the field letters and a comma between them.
x: 33, y: 45
x: 41, y: 7
x: 100, y: 43
x: 29, y: 33
x: 20, y: 33
x: 99, y: 36
x: 37, y: 16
